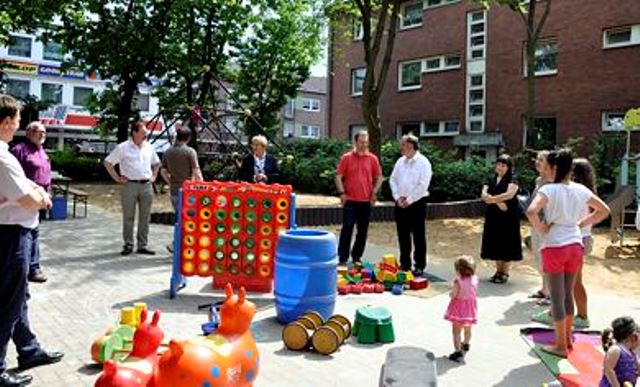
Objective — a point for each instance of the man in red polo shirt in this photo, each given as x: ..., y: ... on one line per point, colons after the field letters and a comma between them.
x: 358, y: 180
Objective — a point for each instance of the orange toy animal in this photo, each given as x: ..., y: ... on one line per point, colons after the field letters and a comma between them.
x: 138, y: 368
x: 226, y: 357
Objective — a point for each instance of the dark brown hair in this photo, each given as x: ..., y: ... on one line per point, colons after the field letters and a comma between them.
x: 465, y: 266
x: 9, y: 107
x: 562, y: 159
x: 584, y: 174
x: 183, y: 134
x: 621, y: 329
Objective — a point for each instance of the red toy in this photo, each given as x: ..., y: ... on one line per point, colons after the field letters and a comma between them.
x: 418, y: 283
x: 378, y: 288
x: 137, y: 368
x: 344, y: 289
x: 355, y: 289
x: 227, y: 357
x: 367, y: 288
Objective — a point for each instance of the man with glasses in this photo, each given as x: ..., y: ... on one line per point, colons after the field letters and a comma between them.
x: 37, y: 167
x: 139, y: 165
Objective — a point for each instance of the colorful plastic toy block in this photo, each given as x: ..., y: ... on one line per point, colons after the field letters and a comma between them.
x: 116, y: 343
x: 373, y: 324
x: 419, y: 283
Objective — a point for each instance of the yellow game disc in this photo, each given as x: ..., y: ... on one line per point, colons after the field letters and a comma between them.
x: 189, y: 253
x: 203, y: 268
x: 205, y: 241
x: 189, y: 240
x: 265, y: 257
x: 204, y: 255
x: 265, y: 271
x: 282, y: 204
x: 205, y: 227
x: 265, y: 244
x: 187, y: 267
x: 205, y: 213
x: 190, y: 226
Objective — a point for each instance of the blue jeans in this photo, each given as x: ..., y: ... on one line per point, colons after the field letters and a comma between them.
x: 14, y: 293
x: 33, y: 250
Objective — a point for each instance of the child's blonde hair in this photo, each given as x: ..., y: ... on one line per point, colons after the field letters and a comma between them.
x: 465, y: 265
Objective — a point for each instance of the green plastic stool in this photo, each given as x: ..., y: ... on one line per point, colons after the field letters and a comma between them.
x: 373, y: 324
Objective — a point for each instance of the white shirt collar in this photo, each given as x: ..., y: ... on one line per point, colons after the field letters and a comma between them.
x: 4, y: 146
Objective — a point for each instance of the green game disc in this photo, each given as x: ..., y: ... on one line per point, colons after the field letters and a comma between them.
x: 233, y: 269
x: 251, y: 216
x: 220, y: 241
x: 220, y: 228
x: 219, y: 255
x: 205, y: 200
x: 235, y: 228
x: 235, y: 242
x: 236, y: 215
x: 249, y: 270
x: 234, y: 256
x: 250, y: 243
x: 236, y: 202
x: 219, y: 268
x: 221, y: 214
x: 250, y: 257
x: 251, y: 229
x: 251, y: 202
x: 267, y: 203
x: 267, y: 217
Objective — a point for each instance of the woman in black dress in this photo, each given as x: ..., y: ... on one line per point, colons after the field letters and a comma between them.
x: 501, y: 236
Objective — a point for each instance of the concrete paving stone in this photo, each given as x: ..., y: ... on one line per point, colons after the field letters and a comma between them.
x: 90, y: 281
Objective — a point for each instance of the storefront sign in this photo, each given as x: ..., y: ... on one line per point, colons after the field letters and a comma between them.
x: 12, y: 66
x: 54, y: 71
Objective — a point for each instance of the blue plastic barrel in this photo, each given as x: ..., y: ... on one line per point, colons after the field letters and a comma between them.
x: 306, y: 271
x: 58, y: 208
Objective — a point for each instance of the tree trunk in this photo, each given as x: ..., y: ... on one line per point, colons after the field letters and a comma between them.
x: 129, y: 89
x: 372, y: 120
x: 531, y: 92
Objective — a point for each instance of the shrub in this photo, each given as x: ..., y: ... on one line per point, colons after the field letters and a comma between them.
x: 85, y: 167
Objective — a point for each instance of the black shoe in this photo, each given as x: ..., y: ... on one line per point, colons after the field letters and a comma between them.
x: 42, y: 358
x: 145, y: 251
x: 457, y: 356
x: 126, y: 250
x: 37, y: 276
x: 13, y: 380
x: 466, y: 347
x: 418, y: 273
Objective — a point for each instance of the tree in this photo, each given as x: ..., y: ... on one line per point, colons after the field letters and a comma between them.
x: 379, y: 21
x: 275, y: 60
x: 121, y: 40
x: 533, y: 22
x: 26, y: 15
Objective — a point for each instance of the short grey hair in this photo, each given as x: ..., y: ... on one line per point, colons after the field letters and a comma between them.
x: 413, y: 140
x: 34, y: 125
x: 260, y: 139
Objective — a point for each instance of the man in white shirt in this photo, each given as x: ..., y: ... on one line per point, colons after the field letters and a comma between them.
x: 139, y: 165
x: 410, y: 187
x: 20, y: 201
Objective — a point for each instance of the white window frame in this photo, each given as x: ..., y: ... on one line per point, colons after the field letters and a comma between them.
x: 401, y: 65
x: 442, y: 63
x: 311, y: 104
x: 441, y: 129
x: 309, y: 129
x: 73, y: 96
x: 20, y: 36
x: 400, y: 124
x: 403, y: 14
x: 290, y: 107
x: 545, y: 72
x: 471, y: 35
x: 478, y: 119
x: 288, y: 128
x: 354, y: 71
x: 19, y: 80
x: 357, y: 30
x: 605, y: 120
x: 52, y: 83
x: 441, y: 3
x: 44, y: 52
x: 634, y: 39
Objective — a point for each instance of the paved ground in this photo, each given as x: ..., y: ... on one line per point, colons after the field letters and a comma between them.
x: 89, y: 281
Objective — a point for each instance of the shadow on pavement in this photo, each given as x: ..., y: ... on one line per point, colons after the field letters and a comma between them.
x: 90, y: 369
x: 517, y: 376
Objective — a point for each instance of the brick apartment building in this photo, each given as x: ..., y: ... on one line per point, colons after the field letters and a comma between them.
x: 306, y: 115
x: 457, y: 75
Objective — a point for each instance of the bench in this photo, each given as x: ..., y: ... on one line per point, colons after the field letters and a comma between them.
x: 78, y: 196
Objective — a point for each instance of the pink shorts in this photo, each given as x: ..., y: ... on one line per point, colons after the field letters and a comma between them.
x: 564, y: 259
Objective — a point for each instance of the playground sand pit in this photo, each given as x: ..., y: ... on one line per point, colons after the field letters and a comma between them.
x: 610, y: 268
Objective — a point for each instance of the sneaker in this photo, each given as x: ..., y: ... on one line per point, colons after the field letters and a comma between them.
x: 581, y: 323
x: 417, y: 273
x: 543, y: 317
x: 37, y: 276
x: 457, y: 356
x: 126, y: 250
x: 145, y: 251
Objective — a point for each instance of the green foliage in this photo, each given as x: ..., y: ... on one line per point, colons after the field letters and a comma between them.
x: 525, y: 169
x: 79, y: 167
x: 606, y: 156
x: 26, y: 15
x: 275, y: 60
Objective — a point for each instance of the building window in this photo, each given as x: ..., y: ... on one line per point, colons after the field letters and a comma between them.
x: 357, y: 32
x: 52, y: 51
x: 353, y: 129
x: 546, y: 61
x: 81, y: 95
x: 452, y: 127
x: 440, y: 128
x: 477, y: 80
x: 476, y: 31
x: 612, y: 121
x: 452, y: 62
x: 411, y: 15
x: 476, y: 126
x: 439, y: 3
x: 543, y: 133
x: 309, y: 131
x: 51, y: 92
x: 288, y: 130
x: 311, y: 104
x: 476, y: 95
x: 357, y: 80
x: 621, y: 37
x: 141, y: 102
x: 20, y: 46
x: 442, y: 63
x: 290, y: 107
x: 410, y: 75
x: 18, y: 88
x: 403, y: 128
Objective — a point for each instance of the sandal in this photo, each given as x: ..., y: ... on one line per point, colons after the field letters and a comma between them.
x: 502, y: 279
x: 494, y: 278
x: 538, y: 295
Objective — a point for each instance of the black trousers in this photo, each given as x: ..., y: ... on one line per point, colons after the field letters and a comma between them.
x: 410, y: 224
x: 354, y: 214
x: 14, y: 293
